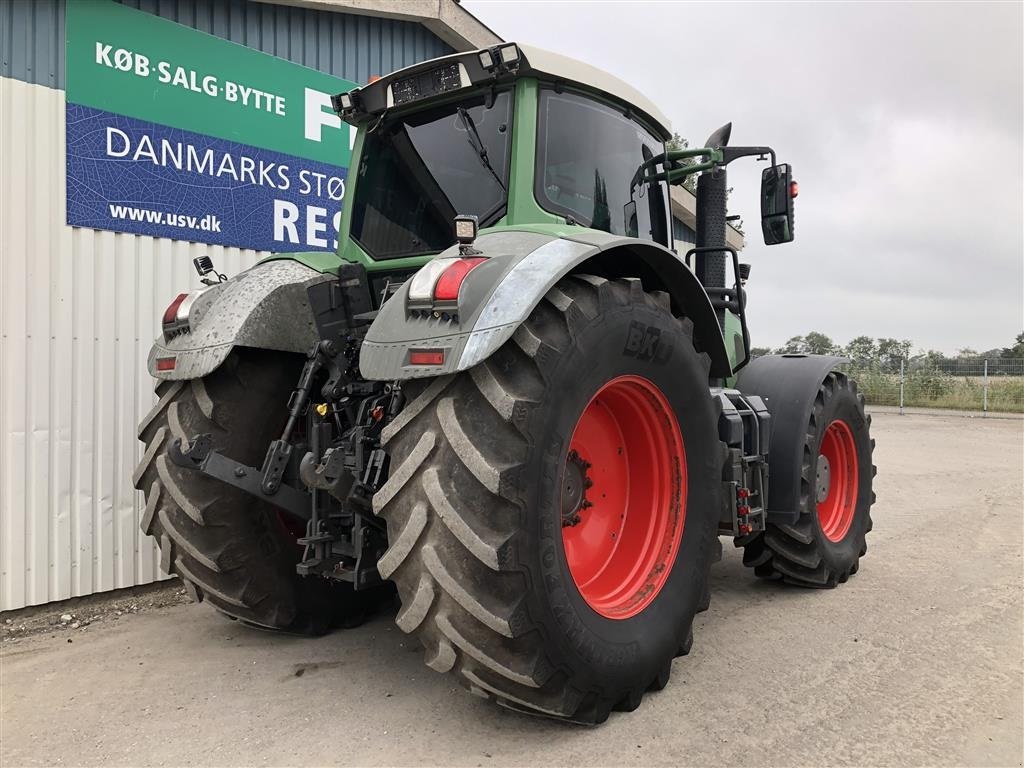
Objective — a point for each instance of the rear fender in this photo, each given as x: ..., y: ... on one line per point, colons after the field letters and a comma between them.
x: 265, y: 307
x: 788, y: 384
x: 498, y: 295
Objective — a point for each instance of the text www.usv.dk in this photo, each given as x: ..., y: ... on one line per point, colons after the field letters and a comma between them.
x: 207, y: 223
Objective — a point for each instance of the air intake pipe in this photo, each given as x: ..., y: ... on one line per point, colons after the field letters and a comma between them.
x: 712, y: 190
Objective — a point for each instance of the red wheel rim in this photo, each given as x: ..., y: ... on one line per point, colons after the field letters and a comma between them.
x: 623, y: 497
x: 836, y: 480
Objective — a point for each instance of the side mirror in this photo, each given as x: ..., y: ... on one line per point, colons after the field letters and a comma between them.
x: 777, y: 193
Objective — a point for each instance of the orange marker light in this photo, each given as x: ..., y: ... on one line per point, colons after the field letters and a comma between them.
x: 794, y: 189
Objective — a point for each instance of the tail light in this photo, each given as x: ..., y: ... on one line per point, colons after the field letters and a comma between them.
x: 171, y: 313
x: 176, y: 320
x: 450, y: 282
x: 441, y: 279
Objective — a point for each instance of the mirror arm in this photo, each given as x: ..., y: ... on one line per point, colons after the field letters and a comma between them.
x: 676, y: 175
x: 732, y: 153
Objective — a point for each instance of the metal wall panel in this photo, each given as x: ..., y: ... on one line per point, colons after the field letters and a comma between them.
x: 79, y: 309
x: 685, y: 238
x: 32, y: 41
x: 346, y: 45
x: 349, y: 46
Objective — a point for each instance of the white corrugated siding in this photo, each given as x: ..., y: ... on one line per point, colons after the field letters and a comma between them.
x: 78, y: 311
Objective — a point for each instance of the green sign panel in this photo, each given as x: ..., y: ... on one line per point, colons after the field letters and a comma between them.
x: 133, y: 63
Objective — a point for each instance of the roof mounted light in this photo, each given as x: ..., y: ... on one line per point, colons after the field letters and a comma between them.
x: 486, y: 59
x: 346, y: 103
x: 509, y: 54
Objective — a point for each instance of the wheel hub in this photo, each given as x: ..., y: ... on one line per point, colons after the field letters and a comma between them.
x: 574, y: 488
x: 823, y: 478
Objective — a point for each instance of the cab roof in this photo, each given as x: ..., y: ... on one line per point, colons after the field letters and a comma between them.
x: 549, y: 64
x: 447, y: 74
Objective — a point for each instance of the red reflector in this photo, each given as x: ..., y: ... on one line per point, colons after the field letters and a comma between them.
x: 171, y: 313
x: 448, y: 284
x: 426, y: 357
x: 166, y: 363
x: 794, y: 189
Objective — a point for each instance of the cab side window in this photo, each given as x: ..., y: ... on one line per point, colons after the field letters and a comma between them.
x: 587, y: 155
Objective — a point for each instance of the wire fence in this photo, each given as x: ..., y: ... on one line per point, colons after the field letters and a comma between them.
x: 974, y: 384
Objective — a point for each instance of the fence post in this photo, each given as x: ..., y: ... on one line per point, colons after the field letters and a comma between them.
x: 901, y: 387
x: 984, y: 393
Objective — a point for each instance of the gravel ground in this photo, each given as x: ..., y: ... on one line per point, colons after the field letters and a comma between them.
x: 916, y: 661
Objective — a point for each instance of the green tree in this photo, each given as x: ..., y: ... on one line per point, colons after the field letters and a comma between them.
x: 862, y: 351
x: 1016, y: 351
x: 932, y: 360
x: 795, y: 346
x: 892, y: 351
x: 759, y: 351
x: 816, y: 343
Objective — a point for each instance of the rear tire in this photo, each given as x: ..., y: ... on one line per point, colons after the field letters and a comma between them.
x: 228, y: 547
x: 823, y: 547
x: 474, y: 508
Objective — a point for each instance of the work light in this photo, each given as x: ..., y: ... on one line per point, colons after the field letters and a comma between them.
x: 465, y: 229
x: 509, y: 54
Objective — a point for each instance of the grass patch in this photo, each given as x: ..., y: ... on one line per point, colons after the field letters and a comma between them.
x: 934, y: 389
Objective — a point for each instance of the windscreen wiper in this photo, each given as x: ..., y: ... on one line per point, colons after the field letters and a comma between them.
x: 473, y: 136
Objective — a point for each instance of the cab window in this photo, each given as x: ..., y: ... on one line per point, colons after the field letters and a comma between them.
x: 587, y: 155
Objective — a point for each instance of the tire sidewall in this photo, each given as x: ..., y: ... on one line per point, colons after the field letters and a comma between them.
x: 615, y: 652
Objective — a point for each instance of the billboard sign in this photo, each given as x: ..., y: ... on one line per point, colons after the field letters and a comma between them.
x: 175, y: 133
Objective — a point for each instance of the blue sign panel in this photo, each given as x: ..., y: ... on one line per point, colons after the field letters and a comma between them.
x: 131, y: 175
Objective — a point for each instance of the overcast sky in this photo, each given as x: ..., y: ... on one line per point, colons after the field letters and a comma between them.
x: 904, y: 127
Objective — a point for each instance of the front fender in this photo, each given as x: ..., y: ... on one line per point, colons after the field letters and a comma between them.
x: 788, y: 384
x: 266, y: 307
x: 501, y: 293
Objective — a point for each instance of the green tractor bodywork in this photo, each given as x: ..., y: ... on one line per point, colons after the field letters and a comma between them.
x: 523, y: 214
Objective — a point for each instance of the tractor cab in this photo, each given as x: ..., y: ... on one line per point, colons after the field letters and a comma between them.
x: 511, y: 135
x: 515, y: 135
x: 525, y: 139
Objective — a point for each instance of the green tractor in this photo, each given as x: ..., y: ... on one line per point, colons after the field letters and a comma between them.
x: 507, y: 396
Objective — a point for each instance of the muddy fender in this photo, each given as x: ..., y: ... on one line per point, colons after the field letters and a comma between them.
x: 265, y: 307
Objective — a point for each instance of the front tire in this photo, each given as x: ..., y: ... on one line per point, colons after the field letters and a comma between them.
x: 481, y: 464
x: 824, y: 546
